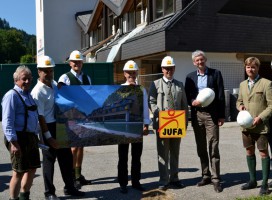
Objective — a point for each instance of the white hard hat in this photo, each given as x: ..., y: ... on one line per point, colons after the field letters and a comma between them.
x: 130, y: 66
x: 244, y: 119
x: 205, y: 97
x: 168, y: 61
x: 76, y: 55
x: 45, y: 62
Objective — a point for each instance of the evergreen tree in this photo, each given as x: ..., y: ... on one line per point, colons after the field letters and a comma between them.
x: 15, y: 44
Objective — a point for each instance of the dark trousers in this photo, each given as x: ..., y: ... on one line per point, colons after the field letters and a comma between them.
x: 207, y: 140
x: 136, y: 152
x: 65, y: 160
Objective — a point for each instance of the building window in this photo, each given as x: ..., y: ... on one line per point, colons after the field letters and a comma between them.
x: 110, y: 23
x: 162, y: 8
x: 131, y: 20
x: 141, y: 6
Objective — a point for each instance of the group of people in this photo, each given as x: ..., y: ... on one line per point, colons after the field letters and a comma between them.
x: 24, y: 110
x: 26, y: 114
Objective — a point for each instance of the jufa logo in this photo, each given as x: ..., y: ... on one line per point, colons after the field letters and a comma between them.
x: 172, y: 124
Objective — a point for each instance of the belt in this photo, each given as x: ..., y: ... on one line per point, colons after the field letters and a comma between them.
x: 202, y: 109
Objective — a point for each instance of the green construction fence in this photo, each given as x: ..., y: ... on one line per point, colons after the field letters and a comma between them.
x: 100, y: 73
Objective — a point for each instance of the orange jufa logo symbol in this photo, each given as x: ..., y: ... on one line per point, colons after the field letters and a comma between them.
x: 172, y: 124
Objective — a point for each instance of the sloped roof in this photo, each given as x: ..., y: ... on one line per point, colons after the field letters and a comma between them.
x: 83, y: 18
x: 218, y: 26
x: 117, y: 6
x: 117, y: 2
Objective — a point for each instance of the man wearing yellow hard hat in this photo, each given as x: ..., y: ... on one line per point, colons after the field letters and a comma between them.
x: 43, y: 95
x: 130, y: 73
x: 76, y: 77
x: 167, y: 93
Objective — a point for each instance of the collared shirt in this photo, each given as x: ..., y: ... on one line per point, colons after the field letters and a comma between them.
x: 202, y: 79
x: 65, y: 79
x: 13, y: 114
x: 251, y: 83
x: 44, y: 97
x: 166, y: 79
x: 145, y: 107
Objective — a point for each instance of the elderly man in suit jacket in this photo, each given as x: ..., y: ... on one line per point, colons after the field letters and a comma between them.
x: 255, y: 96
x: 167, y: 93
x: 206, y: 120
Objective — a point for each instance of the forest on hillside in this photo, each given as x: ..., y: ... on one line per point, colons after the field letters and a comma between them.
x: 16, y: 46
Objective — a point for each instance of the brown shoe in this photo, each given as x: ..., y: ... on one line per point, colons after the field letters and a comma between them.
x: 204, y: 181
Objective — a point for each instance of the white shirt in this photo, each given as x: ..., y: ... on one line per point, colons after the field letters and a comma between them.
x: 145, y: 107
x: 44, y: 97
x: 65, y: 79
x: 166, y: 79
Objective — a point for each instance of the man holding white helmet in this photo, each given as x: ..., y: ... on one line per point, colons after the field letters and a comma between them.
x: 76, y: 77
x: 255, y: 96
x: 167, y: 93
x: 206, y: 120
x: 43, y: 95
x: 130, y: 73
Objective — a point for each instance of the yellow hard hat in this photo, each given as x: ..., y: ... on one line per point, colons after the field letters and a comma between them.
x: 76, y: 55
x: 168, y: 61
x: 45, y: 62
x: 130, y: 66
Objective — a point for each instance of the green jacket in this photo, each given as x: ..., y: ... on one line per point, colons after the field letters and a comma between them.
x: 258, y: 102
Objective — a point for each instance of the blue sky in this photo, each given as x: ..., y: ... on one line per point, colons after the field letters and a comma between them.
x: 20, y: 14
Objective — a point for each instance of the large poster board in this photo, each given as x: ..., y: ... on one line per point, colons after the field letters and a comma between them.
x: 99, y: 115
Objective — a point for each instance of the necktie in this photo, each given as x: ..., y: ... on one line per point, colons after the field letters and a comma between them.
x: 171, y: 103
x: 250, y: 85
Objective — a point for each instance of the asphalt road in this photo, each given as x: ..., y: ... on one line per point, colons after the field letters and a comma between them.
x: 100, y: 165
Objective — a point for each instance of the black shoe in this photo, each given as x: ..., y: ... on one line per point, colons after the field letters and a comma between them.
x: 270, y: 184
x: 138, y: 187
x: 74, y: 192
x: 264, y: 190
x: 83, y: 181
x: 217, y: 187
x: 163, y: 187
x: 177, y: 184
x: 123, y: 189
x: 249, y: 185
x: 77, y: 184
x: 204, y: 181
x: 51, y: 197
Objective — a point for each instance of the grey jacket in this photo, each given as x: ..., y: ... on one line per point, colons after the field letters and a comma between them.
x: 157, y: 100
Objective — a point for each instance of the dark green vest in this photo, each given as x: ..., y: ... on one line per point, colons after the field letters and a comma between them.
x: 75, y: 81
